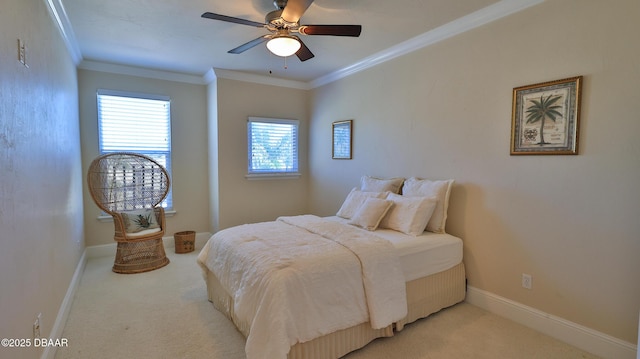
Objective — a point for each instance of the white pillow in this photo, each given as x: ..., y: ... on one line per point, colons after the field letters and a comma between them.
x: 409, y: 215
x: 143, y: 233
x: 139, y: 220
x: 354, y: 200
x: 425, y: 188
x: 373, y: 184
x: 368, y: 216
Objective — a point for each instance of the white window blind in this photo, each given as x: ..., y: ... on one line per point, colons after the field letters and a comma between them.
x: 137, y: 123
x: 273, y: 146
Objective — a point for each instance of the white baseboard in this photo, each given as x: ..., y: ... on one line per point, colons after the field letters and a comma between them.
x: 49, y: 352
x: 577, y: 335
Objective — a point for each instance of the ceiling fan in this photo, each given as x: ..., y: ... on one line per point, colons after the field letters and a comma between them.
x: 283, y: 23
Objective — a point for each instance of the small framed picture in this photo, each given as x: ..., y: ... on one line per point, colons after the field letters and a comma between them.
x: 342, y: 140
x: 546, y: 118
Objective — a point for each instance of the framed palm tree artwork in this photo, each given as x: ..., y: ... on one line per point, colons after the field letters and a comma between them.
x: 546, y: 117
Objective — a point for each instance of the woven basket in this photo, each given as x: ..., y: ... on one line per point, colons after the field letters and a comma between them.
x: 185, y: 241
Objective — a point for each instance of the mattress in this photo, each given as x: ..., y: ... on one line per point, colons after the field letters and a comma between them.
x: 422, y: 255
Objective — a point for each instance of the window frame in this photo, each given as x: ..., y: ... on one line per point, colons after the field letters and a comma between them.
x: 167, y: 203
x: 265, y: 174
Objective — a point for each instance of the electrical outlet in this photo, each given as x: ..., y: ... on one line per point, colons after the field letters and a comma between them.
x: 36, y: 327
x: 527, y: 281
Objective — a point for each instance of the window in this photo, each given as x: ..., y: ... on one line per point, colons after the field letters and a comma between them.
x: 273, y: 147
x: 136, y: 123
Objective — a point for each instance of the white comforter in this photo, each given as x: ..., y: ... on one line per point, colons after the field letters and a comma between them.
x: 302, y: 277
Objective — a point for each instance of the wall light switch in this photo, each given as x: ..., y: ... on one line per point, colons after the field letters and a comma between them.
x: 22, y: 53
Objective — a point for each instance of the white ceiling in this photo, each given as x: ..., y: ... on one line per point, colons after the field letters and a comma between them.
x: 170, y: 35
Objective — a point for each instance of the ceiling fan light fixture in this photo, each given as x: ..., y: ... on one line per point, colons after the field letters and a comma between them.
x: 283, y: 45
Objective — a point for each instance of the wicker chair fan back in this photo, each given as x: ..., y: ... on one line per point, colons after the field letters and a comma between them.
x: 124, y: 181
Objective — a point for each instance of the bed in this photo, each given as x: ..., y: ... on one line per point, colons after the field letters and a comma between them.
x: 321, y: 287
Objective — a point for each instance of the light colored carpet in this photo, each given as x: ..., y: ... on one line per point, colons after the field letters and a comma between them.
x: 165, y: 314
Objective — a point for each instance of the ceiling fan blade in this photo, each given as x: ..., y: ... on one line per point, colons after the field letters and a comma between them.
x: 294, y: 10
x: 304, y: 53
x: 235, y: 20
x: 244, y: 47
x: 331, y: 30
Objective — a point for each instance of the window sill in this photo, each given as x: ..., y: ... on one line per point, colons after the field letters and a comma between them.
x: 268, y: 176
x: 105, y: 218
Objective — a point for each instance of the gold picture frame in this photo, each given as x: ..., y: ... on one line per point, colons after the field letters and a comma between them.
x: 341, y: 140
x: 545, y: 118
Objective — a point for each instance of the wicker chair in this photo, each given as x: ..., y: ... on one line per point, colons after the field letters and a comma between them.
x: 129, y: 187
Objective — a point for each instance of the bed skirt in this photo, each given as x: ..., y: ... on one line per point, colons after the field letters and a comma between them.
x: 425, y: 296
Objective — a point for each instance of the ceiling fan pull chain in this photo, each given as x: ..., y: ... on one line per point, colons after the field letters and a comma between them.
x: 285, y: 63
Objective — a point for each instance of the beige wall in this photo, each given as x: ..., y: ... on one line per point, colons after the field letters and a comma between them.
x: 41, y: 230
x: 189, y: 178
x: 246, y: 201
x: 208, y: 141
x: 445, y: 112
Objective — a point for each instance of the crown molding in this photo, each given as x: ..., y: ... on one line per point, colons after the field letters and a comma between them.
x: 59, y: 16
x: 265, y: 80
x: 206, y: 79
x: 210, y: 76
x: 141, y: 72
x: 481, y: 17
